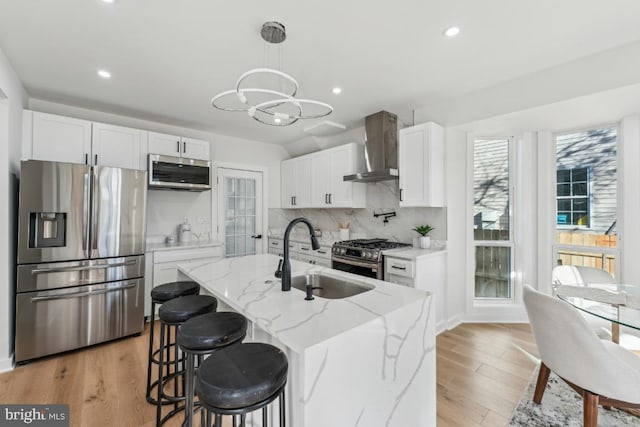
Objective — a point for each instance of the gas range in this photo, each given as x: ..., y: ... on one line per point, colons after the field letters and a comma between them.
x: 362, y: 256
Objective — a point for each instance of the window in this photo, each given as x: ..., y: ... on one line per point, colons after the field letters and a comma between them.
x: 586, y: 198
x: 572, y: 193
x: 492, y: 219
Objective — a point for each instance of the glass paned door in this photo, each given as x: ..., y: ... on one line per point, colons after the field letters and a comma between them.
x: 240, y: 210
x: 492, y: 218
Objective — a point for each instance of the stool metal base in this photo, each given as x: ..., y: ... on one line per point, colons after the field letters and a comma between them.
x: 242, y: 412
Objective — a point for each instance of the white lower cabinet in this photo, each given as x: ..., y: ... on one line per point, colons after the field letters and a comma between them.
x: 162, y: 267
x: 425, y: 272
x: 302, y: 252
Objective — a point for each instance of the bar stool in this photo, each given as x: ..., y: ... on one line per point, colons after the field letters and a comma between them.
x: 160, y: 295
x: 174, y: 313
x: 202, y: 335
x: 243, y: 378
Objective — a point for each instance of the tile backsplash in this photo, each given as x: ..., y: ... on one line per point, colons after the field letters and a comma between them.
x: 382, y: 197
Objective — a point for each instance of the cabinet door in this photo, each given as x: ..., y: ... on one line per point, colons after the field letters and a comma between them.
x: 288, y: 183
x: 116, y: 146
x: 412, y: 147
x: 303, y: 182
x: 421, y: 165
x: 195, y: 149
x: 166, y: 145
x: 60, y: 139
x: 340, y: 194
x: 320, y: 179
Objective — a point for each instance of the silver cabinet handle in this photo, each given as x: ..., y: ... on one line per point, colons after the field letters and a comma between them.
x: 329, y: 198
x: 398, y: 268
x: 304, y: 248
x: 401, y: 195
x: 95, y: 162
x: 274, y: 243
x: 83, y: 294
x: 86, y: 158
x: 321, y: 252
x: 177, y: 146
x: 184, y: 147
x: 82, y: 267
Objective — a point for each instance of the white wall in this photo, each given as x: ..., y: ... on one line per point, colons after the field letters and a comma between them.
x: 12, y: 98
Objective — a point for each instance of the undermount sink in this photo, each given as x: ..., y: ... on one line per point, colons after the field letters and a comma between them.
x: 328, y: 287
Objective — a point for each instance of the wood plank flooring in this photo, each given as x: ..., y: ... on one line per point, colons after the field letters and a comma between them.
x: 482, y: 371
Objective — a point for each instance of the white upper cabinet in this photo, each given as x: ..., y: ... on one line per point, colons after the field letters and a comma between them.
x: 56, y: 138
x: 315, y: 180
x: 296, y: 182
x: 117, y: 146
x: 176, y: 146
x: 421, y: 157
x: 195, y: 148
x: 65, y: 139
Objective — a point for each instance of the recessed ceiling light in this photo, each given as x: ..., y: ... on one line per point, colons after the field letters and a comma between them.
x: 451, y: 31
x: 336, y: 90
x: 104, y: 74
x: 109, y: 1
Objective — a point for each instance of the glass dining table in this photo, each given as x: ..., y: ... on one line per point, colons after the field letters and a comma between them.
x: 619, y: 304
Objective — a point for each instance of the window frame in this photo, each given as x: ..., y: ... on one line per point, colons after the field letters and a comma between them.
x: 589, y: 197
x: 511, y: 243
x: 557, y: 247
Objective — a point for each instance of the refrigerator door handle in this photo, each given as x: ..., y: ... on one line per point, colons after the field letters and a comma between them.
x: 83, y: 267
x: 83, y: 294
x: 95, y: 214
x: 86, y: 207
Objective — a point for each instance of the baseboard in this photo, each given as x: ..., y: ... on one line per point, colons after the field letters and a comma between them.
x: 455, y: 321
x: 496, y: 318
x: 6, y: 365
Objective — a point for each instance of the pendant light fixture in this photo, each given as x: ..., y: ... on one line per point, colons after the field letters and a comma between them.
x: 275, y: 104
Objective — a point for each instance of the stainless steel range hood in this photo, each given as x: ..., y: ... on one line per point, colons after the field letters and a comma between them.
x: 381, y: 149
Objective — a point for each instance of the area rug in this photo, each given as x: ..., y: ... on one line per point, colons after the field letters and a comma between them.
x: 562, y: 407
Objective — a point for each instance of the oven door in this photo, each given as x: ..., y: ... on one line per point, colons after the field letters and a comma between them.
x: 361, y: 268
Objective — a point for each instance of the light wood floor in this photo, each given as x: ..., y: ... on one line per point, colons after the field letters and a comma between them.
x: 482, y: 371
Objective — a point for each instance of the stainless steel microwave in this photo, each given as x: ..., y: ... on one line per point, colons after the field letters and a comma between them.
x: 179, y: 173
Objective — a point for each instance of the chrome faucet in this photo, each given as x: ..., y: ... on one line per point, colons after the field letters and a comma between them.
x: 286, y: 266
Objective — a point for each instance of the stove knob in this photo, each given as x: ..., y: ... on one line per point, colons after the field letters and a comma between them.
x: 367, y: 254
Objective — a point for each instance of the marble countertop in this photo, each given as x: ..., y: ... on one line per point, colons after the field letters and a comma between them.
x: 304, y: 238
x: 412, y: 253
x: 247, y: 284
x: 153, y: 247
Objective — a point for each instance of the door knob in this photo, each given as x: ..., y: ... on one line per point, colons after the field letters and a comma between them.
x: 256, y: 236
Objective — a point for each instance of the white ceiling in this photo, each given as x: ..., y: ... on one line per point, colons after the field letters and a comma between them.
x: 168, y: 57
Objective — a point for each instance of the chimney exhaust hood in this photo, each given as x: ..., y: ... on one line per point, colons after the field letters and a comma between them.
x: 380, y: 149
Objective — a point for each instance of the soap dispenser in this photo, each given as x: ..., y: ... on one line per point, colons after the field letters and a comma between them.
x: 184, y: 231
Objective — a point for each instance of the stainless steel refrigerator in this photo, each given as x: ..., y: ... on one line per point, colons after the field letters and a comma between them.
x: 81, y: 243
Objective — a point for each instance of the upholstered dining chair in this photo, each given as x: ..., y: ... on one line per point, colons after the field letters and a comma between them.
x: 600, y: 371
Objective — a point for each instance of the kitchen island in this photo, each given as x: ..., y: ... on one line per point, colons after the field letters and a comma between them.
x: 367, y: 360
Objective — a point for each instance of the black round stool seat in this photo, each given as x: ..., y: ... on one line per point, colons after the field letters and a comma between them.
x: 212, y: 330
x: 241, y: 376
x: 181, y: 309
x: 168, y: 291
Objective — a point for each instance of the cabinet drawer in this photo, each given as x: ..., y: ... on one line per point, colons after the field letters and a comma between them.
x: 399, y: 267
x: 309, y: 259
x: 324, y: 252
x: 401, y: 280
x: 181, y: 255
x: 276, y: 244
x: 276, y: 251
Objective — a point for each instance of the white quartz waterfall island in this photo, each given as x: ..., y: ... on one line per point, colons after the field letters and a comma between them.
x: 366, y: 361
